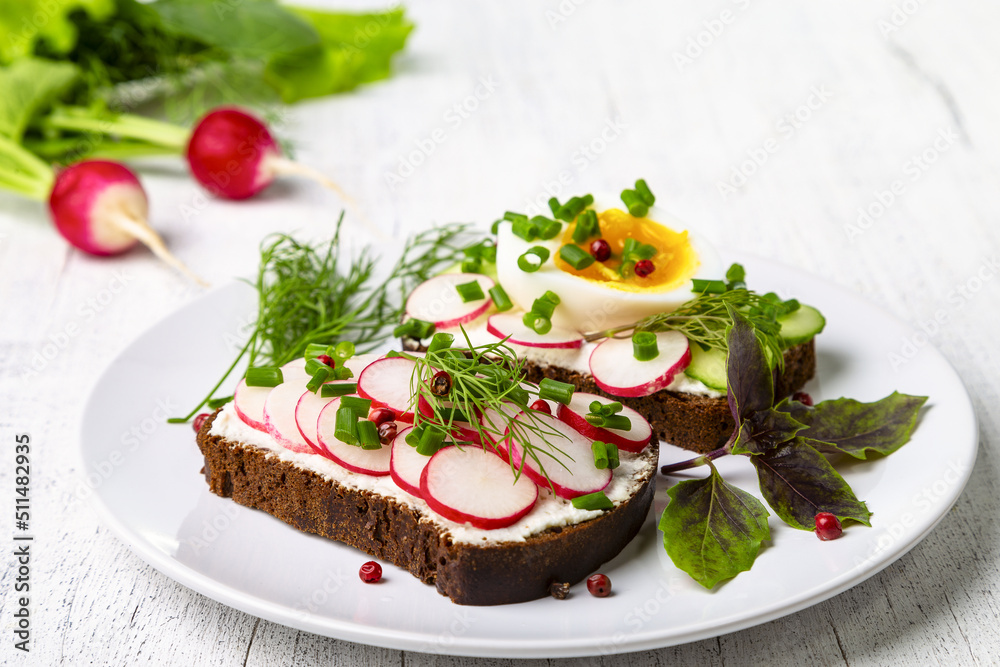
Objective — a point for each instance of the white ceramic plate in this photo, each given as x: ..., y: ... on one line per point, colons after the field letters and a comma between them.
x: 146, y: 484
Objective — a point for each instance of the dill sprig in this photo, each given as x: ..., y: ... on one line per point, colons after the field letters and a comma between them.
x: 706, y: 319
x: 484, y: 378
x: 310, y: 293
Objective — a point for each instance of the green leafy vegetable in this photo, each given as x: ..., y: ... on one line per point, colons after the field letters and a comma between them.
x: 857, y: 429
x: 711, y: 529
x: 749, y: 379
x: 28, y: 86
x: 23, y: 23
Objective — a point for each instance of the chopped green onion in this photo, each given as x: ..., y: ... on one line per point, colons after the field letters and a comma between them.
x: 708, y: 286
x: 413, y: 437
x: 576, y: 256
x: 587, y: 226
x: 472, y: 265
x: 554, y: 206
x: 538, y: 323
x: 636, y: 206
x: 500, y: 298
x: 346, y: 425
x: 441, y: 341
x: 572, y: 208
x: 393, y: 354
x: 518, y: 394
x: 216, y: 403
x: 546, y: 304
x: 526, y: 229
x: 431, y: 440
x: 593, y: 501
x: 470, y: 291
x: 343, y: 351
x: 318, y: 378
x: 495, y: 227
x: 313, y: 350
x: 451, y: 414
x: 635, y: 250
x: 313, y: 365
x: 644, y: 347
x: 613, y: 460
x: 337, y: 390
x: 618, y: 422
x: 549, y: 230
x: 645, y: 194
x: 342, y: 373
x: 600, y: 454
x: 553, y: 390
x: 528, y: 265
x: 368, y: 435
x: 514, y: 217
x: 356, y: 403
x: 264, y: 376
x: 598, y: 408
x: 414, y: 328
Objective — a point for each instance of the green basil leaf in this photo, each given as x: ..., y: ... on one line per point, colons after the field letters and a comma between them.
x: 850, y: 427
x: 765, y: 430
x: 711, y: 529
x: 749, y: 378
x: 798, y: 483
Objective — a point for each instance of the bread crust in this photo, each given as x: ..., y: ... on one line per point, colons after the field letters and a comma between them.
x: 469, y: 574
x: 697, y: 423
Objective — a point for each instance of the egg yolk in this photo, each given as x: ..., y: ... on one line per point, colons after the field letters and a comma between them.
x: 674, y: 263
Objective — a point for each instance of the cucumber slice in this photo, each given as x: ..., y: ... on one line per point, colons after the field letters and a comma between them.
x: 800, y: 326
x: 709, y: 367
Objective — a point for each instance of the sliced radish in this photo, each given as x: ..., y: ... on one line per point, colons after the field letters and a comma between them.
x: 406, y: 465
x: 495, y: 422
x: 295, y: 370
x: 571, y: 471
x: 352, y: 457
x: 437, y: 300
x: 279, y: 417
x: 633, y: 439
x: 387, y: 383
x: 462, y: 431
x: 511, y: 326
x: 470, y: 485
x: 360, y: 362
x: 618, y: 372
x: 307, y: 414
x: 249, y: 404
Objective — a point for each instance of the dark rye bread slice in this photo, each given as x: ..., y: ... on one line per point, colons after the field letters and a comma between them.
x: 698, y: 423
x: 391, y: 531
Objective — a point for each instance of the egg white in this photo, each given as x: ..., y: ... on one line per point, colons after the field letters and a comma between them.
x: 590, y: 306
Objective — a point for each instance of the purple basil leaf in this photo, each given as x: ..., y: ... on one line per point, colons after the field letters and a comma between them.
x: 765, y: 430
x: 798, y: 483
x: 850, y: 427
x: 711, y: 529
x: 749, y: 377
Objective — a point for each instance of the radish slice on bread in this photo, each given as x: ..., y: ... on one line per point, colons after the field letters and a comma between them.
x: 473, y: 486
x: 437, y: 300
x: 633, y: 439
x: 279, y: 417
x: 387, y: 383
x: 618, y: 372
x: 406, y: 465
x: 511, y: 326
x: 352, y: 457
x: 249, y: 401
x: 571, y: 470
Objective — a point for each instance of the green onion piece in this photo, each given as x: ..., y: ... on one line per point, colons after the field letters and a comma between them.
x: 526, y: 229
x: 634, y: 250
x: 527, y: 265
x: 449, y: 415
x: 572, y: 208
x: 549, y: 230
x: 613, y: 460
x: 495, y: 227
x: 346, y: 425
x: 264, y: 376
x: 636, y: 206
x: 593, y: 501
x: 546, y: 304
x: 338, y: 389
x: 406, y: 329
x: 644, y: 347
x: 541, y: 325
x: 553, y: 390
x: 343, y: 351
x: 587, y: 226
x: 424, y: 329
x: 576, y: 256
x: 431, y: 440
x: 313, y: 365
x: 617, y: 422
x: 472, y: 265
x: 313, y: 350
x: 518, y: 394
x: 368, y: 435
x: 600, y: 454
x: 588, y: 199
x: 514, y: 217
x: 597, y: 407
x: 595, y: 419
x: 708, y: 286
x: 392, y: 354
x: 470, y: 291
x: 645, y: 194
x: 342, y: 373
x: 413, y: 437
x: 554, y: 206
x: 318, y: 378
x: 360, y: 405
x: 216, y: 403
x: 500, y: 298
x: 441, y: 341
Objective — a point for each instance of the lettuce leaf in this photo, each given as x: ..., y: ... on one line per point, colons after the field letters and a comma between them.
x: 25, y: 22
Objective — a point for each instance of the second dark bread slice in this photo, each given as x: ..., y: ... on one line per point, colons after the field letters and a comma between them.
x: 698, y: 423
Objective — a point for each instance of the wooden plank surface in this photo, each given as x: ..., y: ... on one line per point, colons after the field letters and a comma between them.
x: 769, y: 125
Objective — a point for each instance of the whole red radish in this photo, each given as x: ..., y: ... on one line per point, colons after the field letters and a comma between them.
x: 233, y: 155
x: 101, y: 208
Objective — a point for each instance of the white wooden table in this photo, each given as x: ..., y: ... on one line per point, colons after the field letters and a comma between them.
x: 780, y: 128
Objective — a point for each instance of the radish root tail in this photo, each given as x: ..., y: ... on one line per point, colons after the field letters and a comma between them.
x: 148, y: 237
